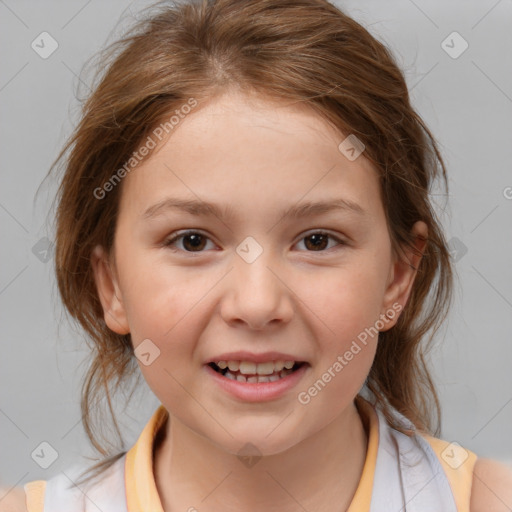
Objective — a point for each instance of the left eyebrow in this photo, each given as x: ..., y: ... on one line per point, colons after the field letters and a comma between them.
x: 203, y: 208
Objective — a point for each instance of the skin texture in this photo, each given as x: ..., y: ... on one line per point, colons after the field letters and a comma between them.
x: 258, y: 158
x: 492, y: 487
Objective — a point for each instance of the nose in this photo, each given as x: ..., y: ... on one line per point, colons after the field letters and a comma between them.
x: 257, y: 294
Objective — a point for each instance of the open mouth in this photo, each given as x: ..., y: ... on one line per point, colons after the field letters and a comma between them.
x: 251, y: 374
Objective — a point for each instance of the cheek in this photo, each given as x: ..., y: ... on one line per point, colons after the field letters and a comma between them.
x: 164, y: 307
x: 345, y: 300
x: 347, y: 338
x: 156, y: 295
x: 170, y: 316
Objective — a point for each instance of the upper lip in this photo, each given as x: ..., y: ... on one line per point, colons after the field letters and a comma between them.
x: 264, y: 357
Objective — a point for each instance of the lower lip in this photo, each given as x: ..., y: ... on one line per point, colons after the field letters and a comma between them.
x: 258, y: 391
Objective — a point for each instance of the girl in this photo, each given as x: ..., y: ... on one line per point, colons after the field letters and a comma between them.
x: 245, y: 217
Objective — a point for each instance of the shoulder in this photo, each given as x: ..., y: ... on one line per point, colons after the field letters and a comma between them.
x: 13, y: 500
x: 491, y: 490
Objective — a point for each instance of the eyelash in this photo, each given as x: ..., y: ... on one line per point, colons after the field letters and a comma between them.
x: 170, y: 241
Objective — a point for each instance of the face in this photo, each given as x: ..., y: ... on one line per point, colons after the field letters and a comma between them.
x: 194, y: 286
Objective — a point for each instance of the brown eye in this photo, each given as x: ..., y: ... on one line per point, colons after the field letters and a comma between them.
x: 319, y: 241
x: 192, y: 241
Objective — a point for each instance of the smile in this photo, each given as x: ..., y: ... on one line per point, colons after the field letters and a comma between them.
x: 255, y: 382
x: 247, y: 371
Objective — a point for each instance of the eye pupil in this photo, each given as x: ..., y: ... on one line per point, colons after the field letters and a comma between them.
x: 319, y: 240
x: 196, y: 241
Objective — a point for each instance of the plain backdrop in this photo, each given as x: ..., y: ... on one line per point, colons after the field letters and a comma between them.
x: 464, y: 96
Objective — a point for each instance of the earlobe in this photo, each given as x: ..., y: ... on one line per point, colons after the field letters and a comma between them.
x: 108, y: 292
x: 403, y: 273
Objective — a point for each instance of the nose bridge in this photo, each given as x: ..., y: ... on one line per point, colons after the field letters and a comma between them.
x: 252, y: 268
x: 258, y: 296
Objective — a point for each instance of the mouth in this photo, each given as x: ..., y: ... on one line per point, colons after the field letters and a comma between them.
x: 255, y: 373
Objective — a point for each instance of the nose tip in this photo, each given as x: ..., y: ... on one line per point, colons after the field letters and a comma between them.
x: 258, y: 296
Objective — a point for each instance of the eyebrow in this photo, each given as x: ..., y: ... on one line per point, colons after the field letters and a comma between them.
x: 203, y: 208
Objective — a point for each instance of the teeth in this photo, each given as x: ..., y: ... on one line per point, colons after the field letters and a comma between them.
x: 265, y: 368
x: 257, y: 378
x: 233, y: 365
x: 250, y: 368
x: 247, y: 368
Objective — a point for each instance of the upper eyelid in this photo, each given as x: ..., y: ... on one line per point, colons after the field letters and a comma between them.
x: 178, y: 235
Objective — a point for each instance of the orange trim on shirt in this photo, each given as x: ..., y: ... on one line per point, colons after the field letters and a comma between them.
x: 460, y: 476
x: 34, y: 495
x: 363, y: 496
x: 141, y: 492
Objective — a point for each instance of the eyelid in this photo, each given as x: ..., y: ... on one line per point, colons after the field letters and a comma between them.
x: 321, y: 231
x: 173, y: 237
x: 182, y: 233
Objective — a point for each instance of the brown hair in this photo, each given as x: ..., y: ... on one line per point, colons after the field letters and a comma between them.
x: 305, y: 51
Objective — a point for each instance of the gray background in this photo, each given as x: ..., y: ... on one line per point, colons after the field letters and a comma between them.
x: 466, y: 101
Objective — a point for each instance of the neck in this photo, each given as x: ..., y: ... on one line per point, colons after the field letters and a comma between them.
x: 320, y: 473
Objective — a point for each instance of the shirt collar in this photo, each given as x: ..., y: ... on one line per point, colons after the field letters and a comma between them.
x: 141, y: 490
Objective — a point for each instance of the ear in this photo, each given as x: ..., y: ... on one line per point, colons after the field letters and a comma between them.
x: 403, y: 273
x: 109, y: 292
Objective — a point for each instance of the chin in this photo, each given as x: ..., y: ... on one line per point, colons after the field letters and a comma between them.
x: 257, y: 442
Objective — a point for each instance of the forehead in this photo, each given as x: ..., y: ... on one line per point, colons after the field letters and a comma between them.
x: 253, y: 155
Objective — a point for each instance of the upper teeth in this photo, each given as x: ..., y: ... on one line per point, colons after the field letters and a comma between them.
x: 249, y: 368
